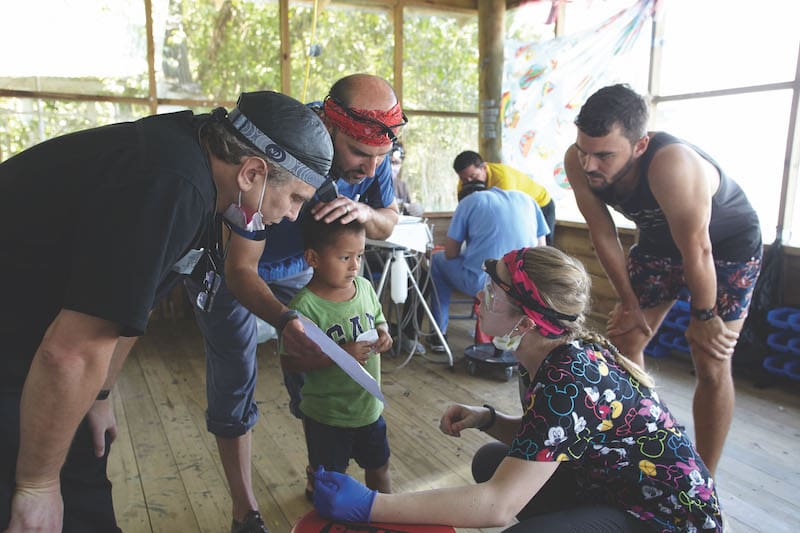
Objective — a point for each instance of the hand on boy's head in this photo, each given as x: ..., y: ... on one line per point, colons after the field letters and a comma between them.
x: 342, y: 209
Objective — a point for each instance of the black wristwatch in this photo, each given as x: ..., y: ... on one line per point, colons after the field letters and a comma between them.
x: 286, y: 316
x: 704, y: 314
x: 492, y: 418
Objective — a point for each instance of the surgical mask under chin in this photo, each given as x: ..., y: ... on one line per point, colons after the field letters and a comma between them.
x: 509, y: 342
x: 236, y: 219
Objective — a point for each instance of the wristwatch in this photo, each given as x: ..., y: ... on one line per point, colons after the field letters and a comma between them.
x: 286, y: 316
x: 704, y: 314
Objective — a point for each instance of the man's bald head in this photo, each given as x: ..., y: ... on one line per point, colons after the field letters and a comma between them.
x: 364, y: 91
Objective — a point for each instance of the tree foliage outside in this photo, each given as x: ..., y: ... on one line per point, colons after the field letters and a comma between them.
x: 215, y: 49
x: 431, y: 145
x: 26, y: 122
x: 440, y: 61
x: 350, y: 39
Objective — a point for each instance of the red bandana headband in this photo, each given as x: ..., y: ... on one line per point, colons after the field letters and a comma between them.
x: 368, y: 126
x: 545, y: 318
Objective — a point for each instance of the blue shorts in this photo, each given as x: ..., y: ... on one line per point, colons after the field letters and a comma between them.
x: 229, y: 331
x: 659, y: 279
x: 332, y: 447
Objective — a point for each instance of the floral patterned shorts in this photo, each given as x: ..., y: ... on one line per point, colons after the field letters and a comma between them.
x: 660, y: 279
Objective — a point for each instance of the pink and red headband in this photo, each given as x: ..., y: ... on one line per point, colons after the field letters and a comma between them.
x: 525, y: 292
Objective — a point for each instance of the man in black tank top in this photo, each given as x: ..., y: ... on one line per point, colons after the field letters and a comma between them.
x: 696, y: 230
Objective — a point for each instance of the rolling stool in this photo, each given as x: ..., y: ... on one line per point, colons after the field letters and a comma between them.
x: 484, y: 353
x: 312, y: 522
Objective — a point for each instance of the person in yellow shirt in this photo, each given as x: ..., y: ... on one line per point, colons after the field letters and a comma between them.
x: 470, y: 166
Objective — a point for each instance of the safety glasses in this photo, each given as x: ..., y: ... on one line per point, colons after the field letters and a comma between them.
x: 491, y: 299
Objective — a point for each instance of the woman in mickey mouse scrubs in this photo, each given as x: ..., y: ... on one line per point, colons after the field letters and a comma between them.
x: 596, y: 448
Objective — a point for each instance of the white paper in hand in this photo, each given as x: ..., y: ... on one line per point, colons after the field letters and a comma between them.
x: 344, y: 360
x: 371, y: 336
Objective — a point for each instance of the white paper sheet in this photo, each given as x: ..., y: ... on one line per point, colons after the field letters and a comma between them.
x: 344, y: 360
x: 412, y: 234
x: 371, y: 335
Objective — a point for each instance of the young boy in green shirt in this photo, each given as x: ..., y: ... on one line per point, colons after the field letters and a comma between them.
x: 340, y: 419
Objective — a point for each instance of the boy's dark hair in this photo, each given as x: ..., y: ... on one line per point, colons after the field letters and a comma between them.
x: 465, y: 159
x: 318, y: 234
x: 611, y: 106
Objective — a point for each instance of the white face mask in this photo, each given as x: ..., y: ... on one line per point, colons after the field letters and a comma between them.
x: 509, y: 342
x: 254, y: 230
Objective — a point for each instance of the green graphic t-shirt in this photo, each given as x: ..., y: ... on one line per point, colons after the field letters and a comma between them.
x: 329, y: 395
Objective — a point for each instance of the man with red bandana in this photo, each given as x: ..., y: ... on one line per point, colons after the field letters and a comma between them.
x: 363, y: 117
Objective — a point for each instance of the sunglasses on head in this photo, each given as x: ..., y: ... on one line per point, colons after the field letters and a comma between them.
x: 369, y: 120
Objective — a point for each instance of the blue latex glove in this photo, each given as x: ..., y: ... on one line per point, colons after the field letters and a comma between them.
x: 340, y: 497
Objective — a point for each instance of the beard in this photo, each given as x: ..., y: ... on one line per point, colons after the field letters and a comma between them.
x: 608, y: 183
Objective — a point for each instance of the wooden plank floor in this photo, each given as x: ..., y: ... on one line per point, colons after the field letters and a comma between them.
x: 167, y: 475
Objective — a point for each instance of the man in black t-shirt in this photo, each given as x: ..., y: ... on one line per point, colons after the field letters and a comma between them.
x: 696, y: 230
x: 95, y: 227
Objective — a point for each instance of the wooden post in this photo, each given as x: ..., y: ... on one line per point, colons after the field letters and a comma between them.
x: 286, y: 48
x: 791, y: 164
x: 398, y: 51
x: 152, y: 98
x: 491, y: 35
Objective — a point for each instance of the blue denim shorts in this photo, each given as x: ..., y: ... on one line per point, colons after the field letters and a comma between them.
x: 332, y: 447
x: 659, y: 279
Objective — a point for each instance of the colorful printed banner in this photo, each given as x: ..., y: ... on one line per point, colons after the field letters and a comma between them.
x: 545, y: 84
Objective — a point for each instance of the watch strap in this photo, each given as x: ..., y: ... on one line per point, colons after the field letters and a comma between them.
x: 492, y: 418
x: 704, y: 314
x: 285, y: 317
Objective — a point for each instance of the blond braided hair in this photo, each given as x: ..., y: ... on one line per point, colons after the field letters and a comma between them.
x: 565, y: 286
x: 636, y: 371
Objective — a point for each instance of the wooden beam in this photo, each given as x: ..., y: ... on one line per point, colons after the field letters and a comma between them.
x: 791, y: 162
x: 437, y: 4
x: 439, y: 114
x: 725, y: 92
x: 656, y: 49
x: 144, y: 101
x: 398, y: 52
x: 491, y: 33
x: 286, y: 48
x: 151, y: 56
